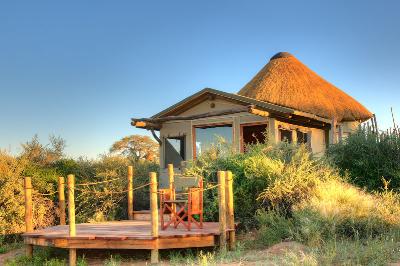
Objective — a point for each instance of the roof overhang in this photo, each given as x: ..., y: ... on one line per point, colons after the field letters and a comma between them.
x: 250, y: 105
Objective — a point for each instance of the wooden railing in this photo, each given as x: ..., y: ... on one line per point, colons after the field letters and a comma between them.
x: 226, y: 208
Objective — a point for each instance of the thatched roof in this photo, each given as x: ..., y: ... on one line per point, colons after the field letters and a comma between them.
x: 285, y: 81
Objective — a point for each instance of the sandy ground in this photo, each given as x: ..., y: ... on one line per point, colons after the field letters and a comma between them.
x: 11, y: 254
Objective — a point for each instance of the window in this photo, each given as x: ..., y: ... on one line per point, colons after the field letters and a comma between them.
x: 302, y: 137
x: 211, y: 136
x: 174, y: 150
x: 252, y: 134
x: 286, y: 135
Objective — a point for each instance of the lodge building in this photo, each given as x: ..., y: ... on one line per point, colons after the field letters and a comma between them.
x: 285, y: 98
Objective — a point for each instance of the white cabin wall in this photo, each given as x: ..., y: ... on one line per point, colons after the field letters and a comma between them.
x: 176, y: 129
x: 205, y: 107
x: 349, y: 127
x: 318, y: 142
x: 180, y: 128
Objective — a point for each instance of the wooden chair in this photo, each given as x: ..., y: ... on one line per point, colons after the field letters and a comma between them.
x: 182, y: 208
x: 195, y: 205
x: 167, y: 195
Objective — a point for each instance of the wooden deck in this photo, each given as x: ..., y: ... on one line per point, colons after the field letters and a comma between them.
x: 123, y: 235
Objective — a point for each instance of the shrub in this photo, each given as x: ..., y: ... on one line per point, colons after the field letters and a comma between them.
x: 268, y: 175
x: 12, y: 200
x: 247, y: 183
x: 295, y: 178
x: 273, y: 227
x: 367, y: 157
x: 107, y: 201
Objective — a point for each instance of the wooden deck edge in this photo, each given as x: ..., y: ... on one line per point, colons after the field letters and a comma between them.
x: 98, y: 243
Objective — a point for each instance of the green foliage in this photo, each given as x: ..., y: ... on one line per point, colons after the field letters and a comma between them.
x: 43, y: 256
x: 44, y: 163
x: 268, y: 175
x: 12, y: 197
x: 9, y: 242
x: 372, y: 251
x: 113, y: 261
x: 335, y: 210
x: 273, y: 227
x: 205, y: 256
x: 104, y: 201
x: 246, y: 188
x: 368, y: 158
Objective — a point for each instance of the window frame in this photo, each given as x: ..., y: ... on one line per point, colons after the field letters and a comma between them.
x: 249, y: 125
x: 280, y: 134
x: 208, y: 125
x: 183, y: 139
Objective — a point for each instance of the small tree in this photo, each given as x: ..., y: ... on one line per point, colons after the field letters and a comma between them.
x: 137, y: 147
x: 41, y: 154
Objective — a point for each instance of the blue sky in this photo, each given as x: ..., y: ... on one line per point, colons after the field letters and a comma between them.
x: 82, y: 69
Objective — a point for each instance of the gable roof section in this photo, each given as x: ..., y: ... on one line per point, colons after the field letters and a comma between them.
x: 206, y: 93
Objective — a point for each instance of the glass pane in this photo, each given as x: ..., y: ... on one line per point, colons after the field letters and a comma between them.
x: 302, y: 137
x: 208, y: 137
x: 253, y: 134
x: 174, y: 151
x: 286, y: 135
x: 177, y: 144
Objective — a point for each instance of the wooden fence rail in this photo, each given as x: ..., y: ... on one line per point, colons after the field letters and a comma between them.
x: 226, y: 209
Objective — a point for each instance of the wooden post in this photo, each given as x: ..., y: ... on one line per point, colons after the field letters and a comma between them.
x: 61, y: 199
x: 222, y: 210
x: 130, y: 192
x: 72, y: 257
x: 294, y: 136
x: 171, y: 176
x: 376, y: 124
x: 154, y: 215
x: 230, y: 211
x: 71, y: 216
x: 28, y: 213
x: 340, y: 134
x: 332, y: 132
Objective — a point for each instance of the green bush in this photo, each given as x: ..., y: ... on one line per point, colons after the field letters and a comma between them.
x: 248, y: 182
x: 268, y: 175
x: 93, y: 203
x: 367, y: 157
x: 273, y: 227
x: 106, y: 201
x: 12, y: 210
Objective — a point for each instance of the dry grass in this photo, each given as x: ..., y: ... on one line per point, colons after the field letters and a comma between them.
x: 336, y: 200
